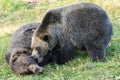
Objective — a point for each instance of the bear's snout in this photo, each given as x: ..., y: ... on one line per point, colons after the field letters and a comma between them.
x: 35, y: 54
x: 38, y: 69
x: 35, y: 68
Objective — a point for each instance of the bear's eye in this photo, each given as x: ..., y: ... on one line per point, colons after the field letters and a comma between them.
x: 45, y: 38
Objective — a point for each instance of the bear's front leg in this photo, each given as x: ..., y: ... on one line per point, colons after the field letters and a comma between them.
x: 66, y: 53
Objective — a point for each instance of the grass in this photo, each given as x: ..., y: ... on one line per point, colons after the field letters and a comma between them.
x: 14, y: 13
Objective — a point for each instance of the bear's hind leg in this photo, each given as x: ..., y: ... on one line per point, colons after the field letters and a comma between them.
x: 92, y: 54
x: 97, y: 54
x: 100, y: 55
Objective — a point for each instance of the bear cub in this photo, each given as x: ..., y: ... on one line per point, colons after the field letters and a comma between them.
x: 19, y: 51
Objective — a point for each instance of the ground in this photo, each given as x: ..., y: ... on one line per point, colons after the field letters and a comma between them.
x: 14, y: 13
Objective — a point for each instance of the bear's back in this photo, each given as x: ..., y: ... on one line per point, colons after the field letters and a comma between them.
x: 75, y: 6
x: 22, y: 36
x: 85, y: 21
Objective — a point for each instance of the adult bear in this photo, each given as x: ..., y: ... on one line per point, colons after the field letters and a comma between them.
x: 19, y: 52
x: 77, y: 26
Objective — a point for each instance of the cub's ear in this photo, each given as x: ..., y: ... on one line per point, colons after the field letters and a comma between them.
x: 7, y: 57
x: 50, y: 17
x: 33, y: 30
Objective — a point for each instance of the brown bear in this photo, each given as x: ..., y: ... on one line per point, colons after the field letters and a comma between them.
x: 19, y: 51
x: 73, y: 27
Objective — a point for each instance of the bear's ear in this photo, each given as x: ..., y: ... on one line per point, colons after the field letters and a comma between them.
x: 50, y: 17
x: 7, y: 57
x: 33, y: 30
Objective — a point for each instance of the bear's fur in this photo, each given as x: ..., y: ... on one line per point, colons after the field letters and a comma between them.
x: 73, y: 27
x: 19, y: 51
x: 21, y: 38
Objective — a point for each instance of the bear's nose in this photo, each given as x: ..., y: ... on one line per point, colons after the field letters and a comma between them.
x: 34, y: 54
x: 38, y: 69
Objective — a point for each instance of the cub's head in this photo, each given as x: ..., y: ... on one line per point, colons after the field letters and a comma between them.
x: 42, y: 39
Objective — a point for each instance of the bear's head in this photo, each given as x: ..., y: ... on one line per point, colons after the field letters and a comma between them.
x: 22, y: 63
x: 43, y: 39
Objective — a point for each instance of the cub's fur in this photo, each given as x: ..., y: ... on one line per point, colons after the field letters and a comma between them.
x: 19, y: 51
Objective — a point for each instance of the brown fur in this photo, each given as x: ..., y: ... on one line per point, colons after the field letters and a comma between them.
x: 19, y: 51
x: 77, y: 26
x: 22, y: 63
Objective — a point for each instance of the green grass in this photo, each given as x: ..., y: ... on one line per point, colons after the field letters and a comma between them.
x: 14, y: 13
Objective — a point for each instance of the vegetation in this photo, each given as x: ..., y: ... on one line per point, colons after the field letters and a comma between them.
x: 14, y: 13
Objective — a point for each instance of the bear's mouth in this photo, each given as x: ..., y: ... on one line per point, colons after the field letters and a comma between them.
x: 40, y: 59
x: 45, y: 59
x: 35, y: 59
